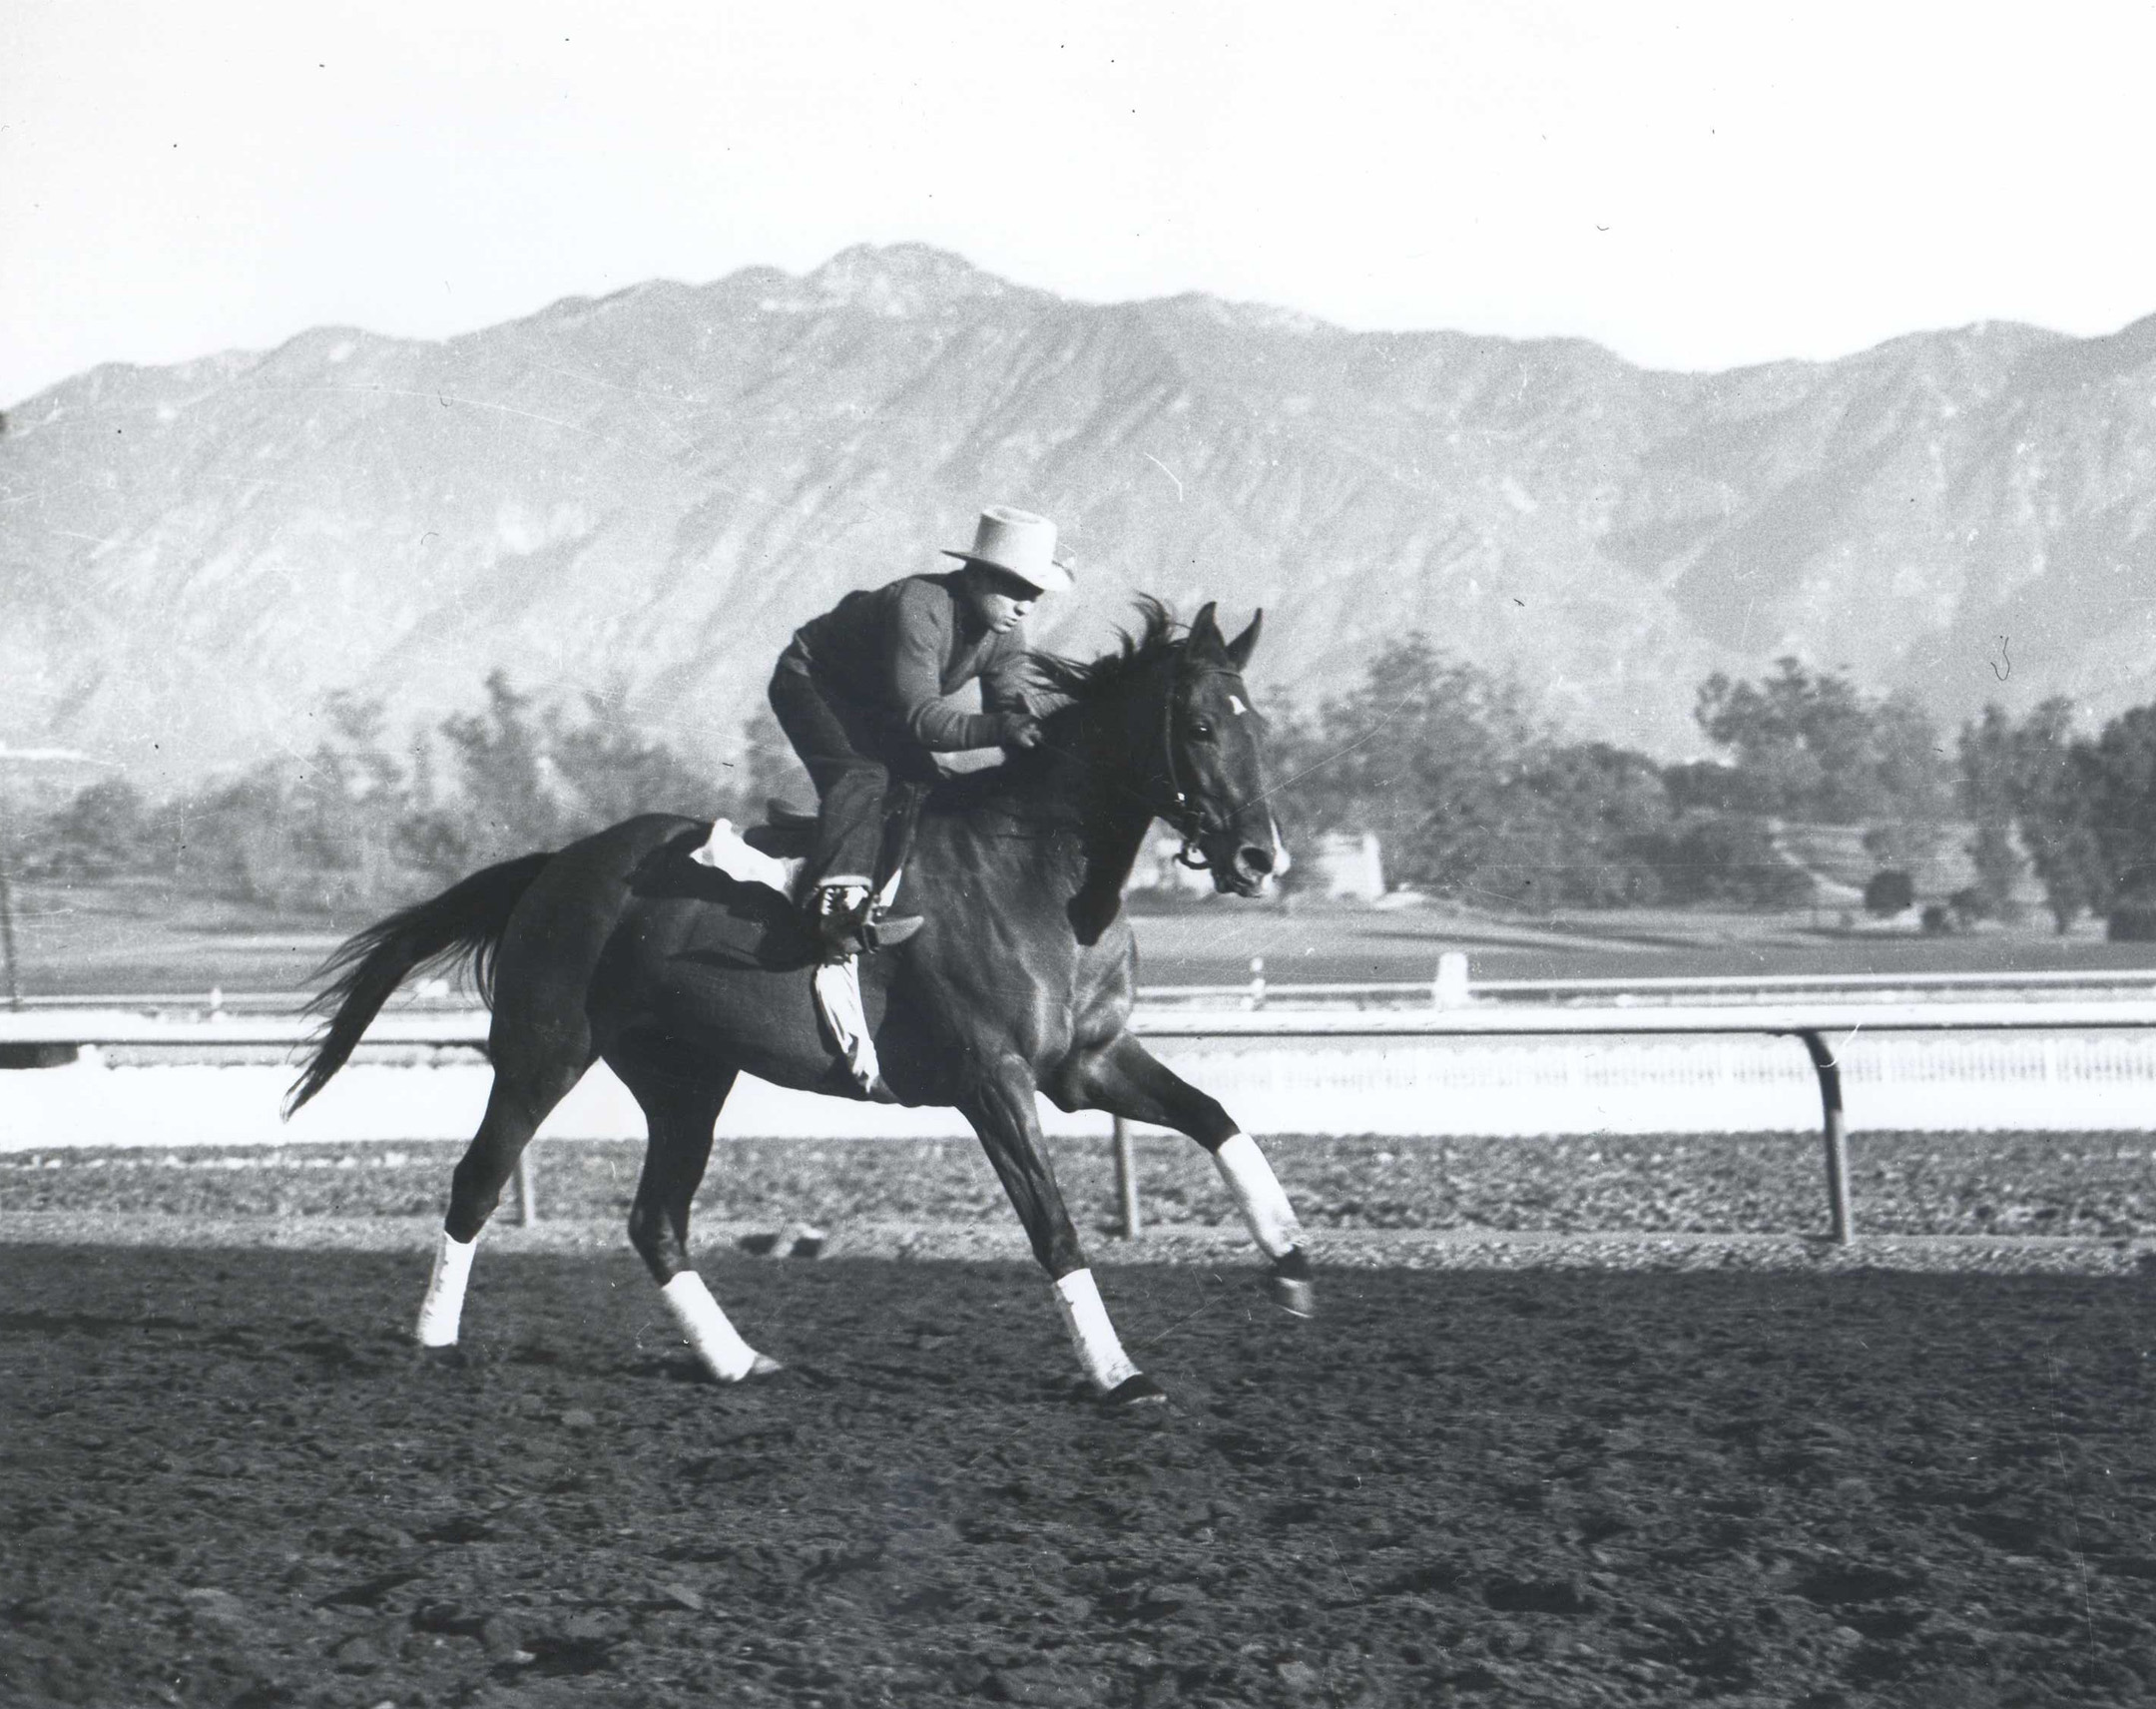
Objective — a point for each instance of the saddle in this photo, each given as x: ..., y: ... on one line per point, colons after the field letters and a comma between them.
x: 787, y: 834
x: 769, y: 857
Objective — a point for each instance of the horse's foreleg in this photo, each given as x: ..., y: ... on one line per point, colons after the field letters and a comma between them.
x: 1127, y: 1080
x: 1002, y: 1112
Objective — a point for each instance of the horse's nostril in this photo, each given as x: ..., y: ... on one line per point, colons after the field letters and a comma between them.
x: 1254, y: 858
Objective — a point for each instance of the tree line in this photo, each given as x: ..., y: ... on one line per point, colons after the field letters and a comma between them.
x: 1470, y: 792
x: 369, y: 818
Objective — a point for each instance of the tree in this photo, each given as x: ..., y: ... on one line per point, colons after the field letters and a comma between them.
x: 1725, y: 857
x: 99, y: 833
x: 351, y: 801
x: 2055, y: 804
x: 507, y: 802
x: 246, y: 838
x: 1426, y: 753
x: 1990, y: 793
x: 1764, y: 727
x: 612, y: 772
x: 1911, y: 773
x: 2120, y: 770
x: 1813, y: 747
x: 1591, y: 816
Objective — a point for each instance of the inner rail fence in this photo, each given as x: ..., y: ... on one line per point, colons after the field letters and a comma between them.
x: 1450, y: 987
x: 1827, y: 1030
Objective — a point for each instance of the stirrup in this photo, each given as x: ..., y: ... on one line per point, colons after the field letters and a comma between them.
x: 882, y: 930
x: 836, y: 916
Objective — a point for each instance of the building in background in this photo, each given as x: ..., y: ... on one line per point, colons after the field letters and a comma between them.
x: 1348, y: 867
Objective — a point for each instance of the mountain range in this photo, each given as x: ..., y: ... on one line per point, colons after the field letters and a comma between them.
x: 639, y: 497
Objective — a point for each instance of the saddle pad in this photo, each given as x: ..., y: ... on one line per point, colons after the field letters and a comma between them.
x: 724, y: 851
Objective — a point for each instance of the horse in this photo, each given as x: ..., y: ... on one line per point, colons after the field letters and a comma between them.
x: 620, y: 948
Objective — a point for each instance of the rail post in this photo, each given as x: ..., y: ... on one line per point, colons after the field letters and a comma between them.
x: 1448, y: 990
x: 1835, y: 1135
x: 1126, y: 1181
x: 527, y: 1190
x: 7, y: 936
x: 1255, y: 997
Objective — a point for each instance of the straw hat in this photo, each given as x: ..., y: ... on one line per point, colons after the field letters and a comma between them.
x: 1019, y: 544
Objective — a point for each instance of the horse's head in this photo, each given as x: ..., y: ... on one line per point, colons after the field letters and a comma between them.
x: 1215, y: 772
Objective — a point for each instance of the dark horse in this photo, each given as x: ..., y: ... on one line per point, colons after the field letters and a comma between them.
x: 620, y: 947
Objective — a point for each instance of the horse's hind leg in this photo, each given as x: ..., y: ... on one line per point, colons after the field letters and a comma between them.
x: 681, y: 1104
x: 1126, y: 1079
x: 522, y: 1095
x: 1002, y: 1112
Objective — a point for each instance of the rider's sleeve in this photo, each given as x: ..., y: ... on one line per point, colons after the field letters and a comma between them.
x: 1007, y: 680
x: 920, y: 640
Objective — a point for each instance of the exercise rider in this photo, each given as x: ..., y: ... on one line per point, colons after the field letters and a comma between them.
x: 864, y: 695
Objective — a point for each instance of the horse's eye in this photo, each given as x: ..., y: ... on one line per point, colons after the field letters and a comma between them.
x: 1202, y: 730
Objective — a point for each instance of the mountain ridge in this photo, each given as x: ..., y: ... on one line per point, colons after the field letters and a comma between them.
x: 639, y: 496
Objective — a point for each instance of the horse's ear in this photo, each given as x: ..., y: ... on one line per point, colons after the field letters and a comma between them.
x: 1245, y: 644
x: 1205, y: 635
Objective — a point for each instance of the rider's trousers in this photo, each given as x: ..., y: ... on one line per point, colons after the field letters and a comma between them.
x: 851, y: 755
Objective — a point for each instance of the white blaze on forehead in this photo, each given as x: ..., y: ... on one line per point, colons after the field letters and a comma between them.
x: 1235, y: 705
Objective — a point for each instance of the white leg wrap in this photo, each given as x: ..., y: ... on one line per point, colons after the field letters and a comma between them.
x: 705, y: 1327
x: 1099, y: 1350
x: 839, y: 1000
x: 1258, y: 1196
x: 443, y: 1310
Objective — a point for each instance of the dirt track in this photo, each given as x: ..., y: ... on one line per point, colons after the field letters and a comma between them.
x: 227, y: 1481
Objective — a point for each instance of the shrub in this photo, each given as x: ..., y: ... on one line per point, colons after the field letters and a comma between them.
x: 1722, y: 857
x: 1889, y: 892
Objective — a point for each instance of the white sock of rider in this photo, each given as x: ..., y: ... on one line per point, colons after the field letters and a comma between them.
x: 706, y: 1328
x: 1258, y: 1195
x: 1100, y: 1351
x: 443, y: 1310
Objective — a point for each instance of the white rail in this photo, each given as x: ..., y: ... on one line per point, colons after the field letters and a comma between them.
x: 1824, y: 1028
x: 1257, y: 990
x: 1452, y: 988
x: 448, y: 1028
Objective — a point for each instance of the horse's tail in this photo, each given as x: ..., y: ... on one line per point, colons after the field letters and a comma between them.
x: 464, y: 923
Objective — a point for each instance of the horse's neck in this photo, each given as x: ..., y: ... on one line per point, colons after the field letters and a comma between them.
x: 1083, y: 806
x: 1103, y: 775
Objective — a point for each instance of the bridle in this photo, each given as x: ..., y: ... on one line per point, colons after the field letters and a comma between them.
x: 1186, y: 816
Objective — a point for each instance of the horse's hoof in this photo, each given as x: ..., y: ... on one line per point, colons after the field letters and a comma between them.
x: 1294, y: 1295
x: 439, y: 1355
x: 763, y: 1366
x: 1137, y: 1390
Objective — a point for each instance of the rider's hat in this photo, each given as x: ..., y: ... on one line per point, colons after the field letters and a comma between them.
x: 1019, y: 544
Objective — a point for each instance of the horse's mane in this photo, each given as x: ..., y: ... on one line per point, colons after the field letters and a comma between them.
x: 1080, y: 680
x: 1078, y: 684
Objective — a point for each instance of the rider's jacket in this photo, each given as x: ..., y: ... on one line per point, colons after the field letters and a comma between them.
x: 902, y: 650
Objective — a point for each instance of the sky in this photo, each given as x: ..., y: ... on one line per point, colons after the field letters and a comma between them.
x: 1693, y: 185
